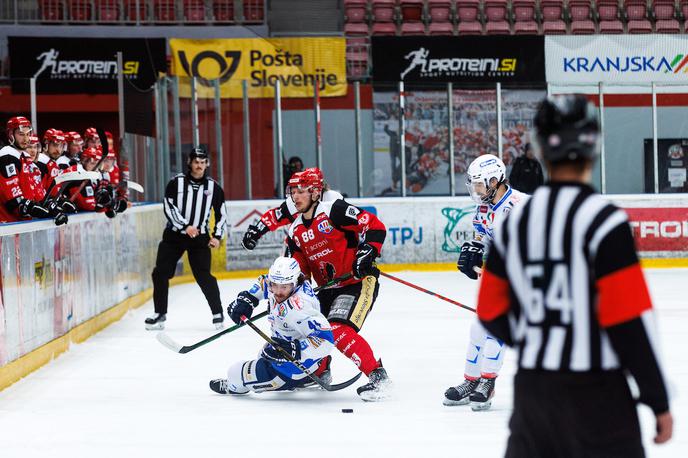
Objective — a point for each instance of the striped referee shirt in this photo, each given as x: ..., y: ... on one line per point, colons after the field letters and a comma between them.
x: 188, y: 202
x: 563, y: 285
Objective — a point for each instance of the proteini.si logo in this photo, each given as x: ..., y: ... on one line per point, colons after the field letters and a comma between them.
x: 82, y: 68
x: 624, y: 64
x: 457, y: 66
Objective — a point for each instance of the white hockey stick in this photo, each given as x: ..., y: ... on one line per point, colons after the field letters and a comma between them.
x: 135, y: 186
x: 168, y: 342
x: 77, y: 175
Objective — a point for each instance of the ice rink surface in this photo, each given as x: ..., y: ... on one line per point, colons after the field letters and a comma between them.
x: 122, y: 394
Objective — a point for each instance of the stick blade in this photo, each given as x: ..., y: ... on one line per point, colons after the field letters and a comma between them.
x: 341, y: 386
x: 168, y: 342
x: 135, y: 186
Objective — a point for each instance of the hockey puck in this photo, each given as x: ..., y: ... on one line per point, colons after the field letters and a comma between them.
x: 347, y: 410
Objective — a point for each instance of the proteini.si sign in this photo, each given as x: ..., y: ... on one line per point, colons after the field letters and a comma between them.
x: 83, y: 65
x: 518, y: 59
x: 616, y: 59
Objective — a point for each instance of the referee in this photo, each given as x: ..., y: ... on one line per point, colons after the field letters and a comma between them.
x: 187, y: 203
x: 563, y: 285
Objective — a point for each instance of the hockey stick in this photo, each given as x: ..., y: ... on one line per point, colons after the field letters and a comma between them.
x: 135, y: 186
x: 297, y: 363
x: 168, y: 342
x: 404, y: 282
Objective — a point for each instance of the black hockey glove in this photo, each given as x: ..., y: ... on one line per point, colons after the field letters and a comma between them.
x: 253, y: 234
x: 363, y: 263
x: 104, y: 196
x: 243, y: 305
x: 67, y: 206
x: 61, y: 219
x: 110, y: 213
x: 293, y: 347
x: 30, y: 208
x: 120, y: 205
x: 54, y: 208
x: 471, y: 256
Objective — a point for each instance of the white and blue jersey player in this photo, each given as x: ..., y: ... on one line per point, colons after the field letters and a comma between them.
x: 487, y: 185
x: 297, y: 327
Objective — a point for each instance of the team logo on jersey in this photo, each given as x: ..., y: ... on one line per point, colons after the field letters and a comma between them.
x: 365, y: 219
x: 11, y: 170
x: 325, y: 227
x: 352, y: 211
x: 89, y: 191
x: 282, y: 310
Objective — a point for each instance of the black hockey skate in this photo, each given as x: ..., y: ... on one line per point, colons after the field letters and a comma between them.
x: 221, y: 386
x: 379, y: 386
x: 481, y: 398
x: 156, y: 322
x: 459, y: 395
x: 218, y: 320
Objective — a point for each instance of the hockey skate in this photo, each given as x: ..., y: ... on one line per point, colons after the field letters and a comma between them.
x: 221, y: 386
x: 481, y: 398
x: 156, y: 322
x: 323, y: 371
x: 218, y: 320
x: 379, y: 386
x: 460, y: 395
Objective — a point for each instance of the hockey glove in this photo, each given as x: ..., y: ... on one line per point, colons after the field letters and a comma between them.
x: 292, y: 347
x: 67, y: 206
x: 253, y: 234
x: 363, y: 263
x: 120, y: 205
x: 471, y: 256
x: 61, y: 219
x: 110, y: 213
x: 242, y: 306
x: 54, y: 208
x: 30, y: 208
x: 104, y: 196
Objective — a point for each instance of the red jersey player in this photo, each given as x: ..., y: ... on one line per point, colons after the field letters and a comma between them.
x: 54, y: 143
x: 285, y: 214
x: 330, y: 239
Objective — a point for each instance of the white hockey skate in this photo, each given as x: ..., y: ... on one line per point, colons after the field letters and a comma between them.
x: 460, y: 395
x: 218, y: 321
x: 156, y: 322
x: 378, y: 388
x: 221, y: 386
x: 481, y: 398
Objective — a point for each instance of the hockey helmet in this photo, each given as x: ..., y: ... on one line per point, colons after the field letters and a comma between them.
x: 198, y: 153
x: 94, y: 152
x: 284, y: 271
x: 53, y: 136
x: 91, y: 133
x: 74, y: 137
x: 309, y: 180
x: 18, y: 122
x: 484, y: 176
x: 33, y: 140
x: 566, y: 129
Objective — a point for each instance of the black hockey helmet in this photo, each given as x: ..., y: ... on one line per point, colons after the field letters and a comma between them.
x: 566, y: 128
x: 198, y: 153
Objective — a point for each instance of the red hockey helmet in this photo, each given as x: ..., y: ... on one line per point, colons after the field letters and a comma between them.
x: 33, y: 140
x: 308, y: 179
x: 91, y: 134
x: 74, y: 137
x: 94, y: 152
x: 53, y: 136
x: 18, y: 122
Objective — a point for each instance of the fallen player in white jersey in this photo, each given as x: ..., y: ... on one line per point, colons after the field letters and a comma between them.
x: 297, y: 327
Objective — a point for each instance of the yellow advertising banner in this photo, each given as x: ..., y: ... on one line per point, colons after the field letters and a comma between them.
x: 297, y: 63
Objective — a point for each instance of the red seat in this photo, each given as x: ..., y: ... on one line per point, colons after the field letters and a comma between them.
x: 552, y: 17
x: 223, y: 10
x: 79, y: 10
x: 439, y: 10
x: 131, y: 13
x: 164, y: 11
x: 608, y: 12
x: 638, y: 22
x: 665, y: 13
x: 524, y: 17
x: 411, y: 10
x: 108, y: 10
x: 581, y: 24
x: 384, y: 29
x: 51, y: 10
x: 412, y: 28
x: 383, y: 10
x: 254, y: 11
x: 441, y: 28
x: 467, y: 12
x: 496, y: 14
x: 194, y: 10
x: 356, y: 29
x: 683, y: 8
x: 355, y: 10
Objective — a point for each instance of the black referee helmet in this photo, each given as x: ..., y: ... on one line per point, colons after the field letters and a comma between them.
x: 198, y: 153
x: 566, y: 129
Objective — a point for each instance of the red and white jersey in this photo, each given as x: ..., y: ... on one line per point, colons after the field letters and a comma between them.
x: 82, y: 196
x: 49, y: 169
x: 286, y: 213
x: 326, y: 245
x: 30, y: 179
x: 11, y: 195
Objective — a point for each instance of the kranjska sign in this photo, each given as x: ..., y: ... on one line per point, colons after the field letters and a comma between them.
x: 518, y: 59
x: 616, y: 59
x: 83, y: 65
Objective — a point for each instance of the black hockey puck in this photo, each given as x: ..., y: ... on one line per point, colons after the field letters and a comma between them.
x: 347, y: 410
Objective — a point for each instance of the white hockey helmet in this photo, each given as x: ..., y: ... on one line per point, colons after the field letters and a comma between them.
x: 285, y: 271
x: 484, y: 176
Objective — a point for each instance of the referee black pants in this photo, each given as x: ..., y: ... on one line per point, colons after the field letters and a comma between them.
x: 170, y: 250
x: 573, y: 415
